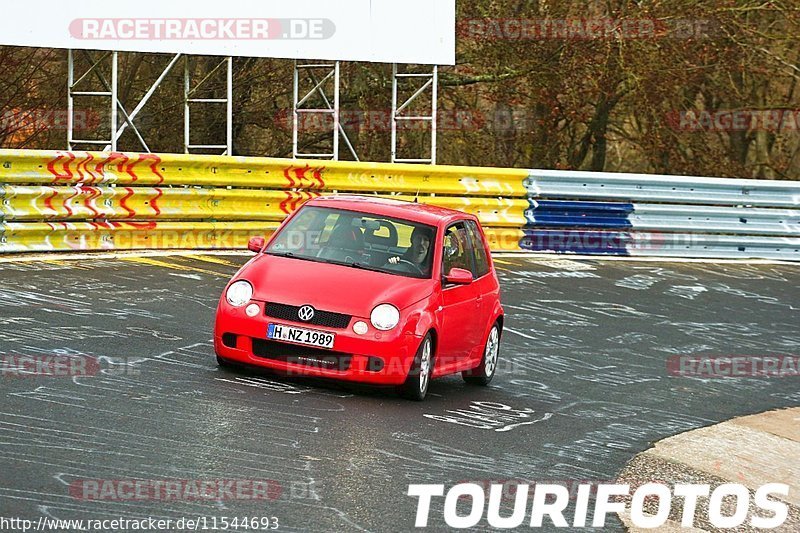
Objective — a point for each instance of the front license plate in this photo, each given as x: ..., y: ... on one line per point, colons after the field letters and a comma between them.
x: 309, y: 337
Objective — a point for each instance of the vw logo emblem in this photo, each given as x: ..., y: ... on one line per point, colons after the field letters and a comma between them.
x: 305, y: 313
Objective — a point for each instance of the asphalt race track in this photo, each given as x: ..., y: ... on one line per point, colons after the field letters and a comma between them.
x: 582, y: 387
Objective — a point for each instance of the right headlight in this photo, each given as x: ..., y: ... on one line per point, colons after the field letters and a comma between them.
x: 239, y: 293
x: 384, y: 317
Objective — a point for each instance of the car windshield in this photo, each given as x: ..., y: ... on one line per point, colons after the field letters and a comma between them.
x: 359, y: 240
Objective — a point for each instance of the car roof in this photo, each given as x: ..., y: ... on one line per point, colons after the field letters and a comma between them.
x: 376, y: 205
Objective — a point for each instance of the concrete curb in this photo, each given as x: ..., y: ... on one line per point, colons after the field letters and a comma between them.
x: 751, y: 450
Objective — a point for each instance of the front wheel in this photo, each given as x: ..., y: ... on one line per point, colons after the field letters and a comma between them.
x: 484, y: 372
x: 224, y: 363
x: 419, y: 377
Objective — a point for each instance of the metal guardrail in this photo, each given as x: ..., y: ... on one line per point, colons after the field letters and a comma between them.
x: 674, y: 216
x: 107, y: 235
x: 42, y: 202
x: 34, y: 167
x: 52, y: 201
x: 663, y: 217
x: 708, y: 219
x: 662, y: 189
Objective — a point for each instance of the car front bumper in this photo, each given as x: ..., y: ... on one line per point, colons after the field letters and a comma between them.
x: 377, y: 357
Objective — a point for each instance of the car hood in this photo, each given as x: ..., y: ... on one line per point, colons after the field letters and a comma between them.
x: 336, y: 288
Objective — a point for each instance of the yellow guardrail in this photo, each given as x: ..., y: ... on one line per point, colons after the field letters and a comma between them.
x: 54, y: 200
x: 95, y: 168
x: 81, y: 236
x: 23, y: 202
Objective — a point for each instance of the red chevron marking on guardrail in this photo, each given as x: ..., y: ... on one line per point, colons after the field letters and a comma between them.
x: 296, y: 198
x: 83, y: 167
x: 154, y: 162
x: 311, y: 195
x: 78, y: 170
x: 153, y: 203
x: 288, y: 176
x: 93, y: 178
x: 128, y: 166
x: 48, y: 202
x: 92, y: 193
x: 123, y: 203
x: 139, y: 225
x: 284, y: 203
x: 129, y: 170
x: 117, y: 158
x: 301, y: 180
x: 317, y: 173
x: 300, y: 173
x: 69, y: 199
x: 64, y: 158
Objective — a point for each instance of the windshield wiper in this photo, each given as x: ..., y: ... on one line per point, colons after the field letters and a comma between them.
x: 306, y: 258
x: 291, y: 255
x: 362, y: 266
x: 351, y: 264
x: 284, y: 254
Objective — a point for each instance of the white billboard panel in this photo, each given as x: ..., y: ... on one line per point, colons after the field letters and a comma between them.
x: 387, y: 31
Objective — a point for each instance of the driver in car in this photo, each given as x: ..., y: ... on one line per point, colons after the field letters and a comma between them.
x: 417, y: 253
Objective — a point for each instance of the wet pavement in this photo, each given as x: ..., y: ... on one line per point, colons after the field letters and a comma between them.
x: 582, y: 387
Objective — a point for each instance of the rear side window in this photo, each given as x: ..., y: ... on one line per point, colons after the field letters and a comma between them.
x: 481, y: 261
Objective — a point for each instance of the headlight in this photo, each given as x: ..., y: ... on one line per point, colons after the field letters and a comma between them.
x: 385, y: 317
x: 239, y: 293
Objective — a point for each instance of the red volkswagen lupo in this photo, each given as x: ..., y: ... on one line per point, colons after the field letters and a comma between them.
x: 366, y: 289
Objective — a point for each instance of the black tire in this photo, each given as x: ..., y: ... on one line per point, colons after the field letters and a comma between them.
x: 484, y: 372
x: 419, y: 376
x: 224, y: 363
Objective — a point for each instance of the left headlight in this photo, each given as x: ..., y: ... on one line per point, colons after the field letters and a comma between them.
x: 239, y: 293
x: 384, y: 317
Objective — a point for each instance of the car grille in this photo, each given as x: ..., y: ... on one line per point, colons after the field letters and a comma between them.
x: 301, y: 355
x: 321, y: 318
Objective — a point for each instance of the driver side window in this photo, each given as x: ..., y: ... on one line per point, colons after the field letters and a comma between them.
x: 455, y: 253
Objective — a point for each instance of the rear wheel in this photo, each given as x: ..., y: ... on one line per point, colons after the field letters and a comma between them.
x: 484, y: 372
x: 419, y: 377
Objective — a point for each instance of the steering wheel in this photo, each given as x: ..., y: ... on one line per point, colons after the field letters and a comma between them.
x: 413, y: 265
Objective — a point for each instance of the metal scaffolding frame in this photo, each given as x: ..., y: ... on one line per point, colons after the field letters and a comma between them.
x: 189, y: 91
x: 110, y: 92
x: 130, y: 118
x: 117, y: 108
x: 316, y: 74
x: 309, y: 70
x: 432, y: 84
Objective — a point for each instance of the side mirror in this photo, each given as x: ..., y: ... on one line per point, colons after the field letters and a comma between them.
x: 459, y: 276
x: 256, y: 244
